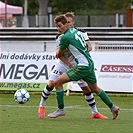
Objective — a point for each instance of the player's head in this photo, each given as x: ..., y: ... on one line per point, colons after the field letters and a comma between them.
x: 70, y: 19
x: 61, y: 24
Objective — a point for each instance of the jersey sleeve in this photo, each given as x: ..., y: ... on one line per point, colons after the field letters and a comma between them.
x: 58, y: 37
x: 64, y: 43
x: 85, y: 36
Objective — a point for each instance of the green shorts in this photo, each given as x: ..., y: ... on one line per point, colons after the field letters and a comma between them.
x: 82, y: 72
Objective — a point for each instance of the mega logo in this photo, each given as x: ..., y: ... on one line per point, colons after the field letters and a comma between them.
x: 19, y: 71
x: 117, y: 68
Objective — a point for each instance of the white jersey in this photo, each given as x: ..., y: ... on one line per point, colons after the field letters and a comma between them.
x: 61, y: 67
x: 66, y: 54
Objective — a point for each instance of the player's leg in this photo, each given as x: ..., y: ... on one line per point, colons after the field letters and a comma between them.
x: 104, y: 97
x: 60, y: 96
x: 92, y: 83
x: 60, y: 101
x: 45, y: 94
x: 64, y: 78
x: 77, y: 73
x: 48, y: 89
x: 91, y: 101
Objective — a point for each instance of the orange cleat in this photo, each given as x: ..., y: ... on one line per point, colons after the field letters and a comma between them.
x: 99, y: 116
x: 41, y: 112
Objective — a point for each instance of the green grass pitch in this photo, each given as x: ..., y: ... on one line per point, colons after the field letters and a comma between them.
x: 16, y: 118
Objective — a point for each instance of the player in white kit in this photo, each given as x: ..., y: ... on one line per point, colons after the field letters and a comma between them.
x: 62, y: 65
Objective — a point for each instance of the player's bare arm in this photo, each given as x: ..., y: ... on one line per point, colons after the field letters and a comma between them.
x: 89, y: 45
x: 63, y: 59
x: 60, y: 55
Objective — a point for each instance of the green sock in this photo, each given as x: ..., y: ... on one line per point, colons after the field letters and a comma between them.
x: 105, y: 98
x: 60, y: 98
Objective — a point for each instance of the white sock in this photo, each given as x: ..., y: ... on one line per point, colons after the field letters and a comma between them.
x: 91, y: 101
x: 45, y: 95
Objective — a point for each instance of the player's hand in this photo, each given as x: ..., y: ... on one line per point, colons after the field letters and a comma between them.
x: 70, y: 65
x: 70, y: 58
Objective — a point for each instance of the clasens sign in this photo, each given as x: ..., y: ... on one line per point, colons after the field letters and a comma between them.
x: 114, y: 71
x: 117, y: 68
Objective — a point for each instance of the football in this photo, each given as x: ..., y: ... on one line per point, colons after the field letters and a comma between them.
x: 21, y: 96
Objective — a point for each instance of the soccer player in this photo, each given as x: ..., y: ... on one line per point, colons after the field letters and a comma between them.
x: 74, y: 41
x: 62, y: 66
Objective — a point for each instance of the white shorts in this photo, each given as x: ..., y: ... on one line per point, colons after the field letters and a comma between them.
x: 61, y: 68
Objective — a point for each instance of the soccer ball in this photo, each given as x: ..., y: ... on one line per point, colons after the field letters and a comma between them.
x: 21, y: 96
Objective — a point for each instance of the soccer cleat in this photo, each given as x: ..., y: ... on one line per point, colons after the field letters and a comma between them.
x: 99, y: 116
x: 58, y: 112
x: 41, y: 112
x: 114, y: 111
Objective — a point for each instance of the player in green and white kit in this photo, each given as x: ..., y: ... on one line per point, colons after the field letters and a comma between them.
x: 79, y: 49
x: 75, y: 43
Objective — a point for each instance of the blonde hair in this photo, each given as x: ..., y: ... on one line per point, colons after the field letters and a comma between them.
x: 70, y: 14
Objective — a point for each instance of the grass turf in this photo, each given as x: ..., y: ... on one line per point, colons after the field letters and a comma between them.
x: 16, y: 118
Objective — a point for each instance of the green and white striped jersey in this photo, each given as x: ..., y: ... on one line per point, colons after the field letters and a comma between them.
x: 75, y: 42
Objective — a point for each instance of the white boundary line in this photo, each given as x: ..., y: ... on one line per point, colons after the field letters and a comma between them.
x: 69, y: 107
